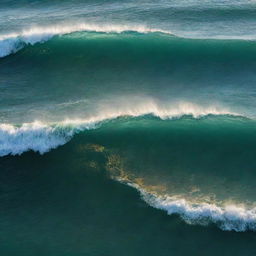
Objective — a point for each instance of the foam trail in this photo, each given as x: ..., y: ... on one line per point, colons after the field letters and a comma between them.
x: 42, y: 137
x: 11, y: 43
x: 228, y: 218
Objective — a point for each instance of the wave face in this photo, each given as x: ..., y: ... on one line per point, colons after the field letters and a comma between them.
x: 175, y: 167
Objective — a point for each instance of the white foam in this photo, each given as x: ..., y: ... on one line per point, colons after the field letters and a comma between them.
x: 11, y: 43
x: 227, y: 217
x: 35, y: 136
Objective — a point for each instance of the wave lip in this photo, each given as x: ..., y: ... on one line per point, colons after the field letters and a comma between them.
x: 228, y: 218
x: 11, y: 43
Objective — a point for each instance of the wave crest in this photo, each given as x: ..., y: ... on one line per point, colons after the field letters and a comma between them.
x: 42, y: 137
x: 11, y: 43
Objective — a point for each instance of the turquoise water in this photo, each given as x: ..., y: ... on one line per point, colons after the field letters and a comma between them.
x: 127, y: 128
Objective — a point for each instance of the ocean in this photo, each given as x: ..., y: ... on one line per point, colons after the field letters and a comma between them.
x: 127, y: 127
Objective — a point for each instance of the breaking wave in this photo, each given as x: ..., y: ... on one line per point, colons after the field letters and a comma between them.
x: 42, y: 137
x: 11, y: 43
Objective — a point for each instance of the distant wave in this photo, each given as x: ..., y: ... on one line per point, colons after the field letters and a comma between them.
x: 42, y: 137
x: 11, y: 43
x: 228, y: 218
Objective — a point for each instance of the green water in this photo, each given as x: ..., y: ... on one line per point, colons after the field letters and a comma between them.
x: 127, y: 128
x: 65, y: 203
